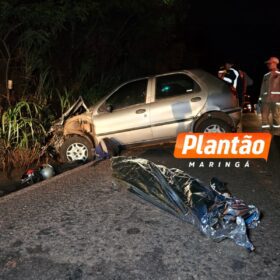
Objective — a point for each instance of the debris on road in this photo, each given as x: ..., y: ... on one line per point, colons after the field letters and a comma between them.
x: 35, y: 175
x: 107, y: 148
x: 46, y: 171
x: 212, y: 208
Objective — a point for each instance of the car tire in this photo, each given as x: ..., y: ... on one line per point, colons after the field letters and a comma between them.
x: 76, y: 148
x: 214, y: 126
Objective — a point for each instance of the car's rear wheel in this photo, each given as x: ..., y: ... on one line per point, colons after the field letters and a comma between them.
x: 76, y: 148
x: 214, y: 126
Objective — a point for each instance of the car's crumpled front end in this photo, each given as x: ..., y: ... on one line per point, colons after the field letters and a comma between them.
x: 56, y: 133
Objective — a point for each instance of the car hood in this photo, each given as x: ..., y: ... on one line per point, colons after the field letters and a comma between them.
x: 78, y: 108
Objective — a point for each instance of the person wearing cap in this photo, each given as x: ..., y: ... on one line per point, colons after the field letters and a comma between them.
x: 270, y: 96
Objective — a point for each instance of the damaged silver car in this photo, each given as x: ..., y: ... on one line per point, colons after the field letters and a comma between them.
x: 148, y: 110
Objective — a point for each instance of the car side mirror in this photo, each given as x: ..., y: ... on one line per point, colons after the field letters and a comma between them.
x: 109, y: 108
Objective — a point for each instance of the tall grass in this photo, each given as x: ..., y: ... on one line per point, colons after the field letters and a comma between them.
x: 65, y: 99
x: 94, y: 93
x: 20, y: 125
x: 21, y: 132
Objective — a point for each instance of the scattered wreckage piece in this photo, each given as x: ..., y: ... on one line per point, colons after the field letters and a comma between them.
x: 35, y: 175
x: 45, y: 171
x: 107, y: 148
x: 212, y: 209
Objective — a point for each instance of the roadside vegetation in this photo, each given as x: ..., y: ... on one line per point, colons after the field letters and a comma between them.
x: 21, y: 131
x: 53, y: 51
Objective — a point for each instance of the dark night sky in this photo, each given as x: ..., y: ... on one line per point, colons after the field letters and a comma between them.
x: 246, y: 31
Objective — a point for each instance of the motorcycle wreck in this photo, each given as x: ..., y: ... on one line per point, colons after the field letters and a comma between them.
x: 211, y: 208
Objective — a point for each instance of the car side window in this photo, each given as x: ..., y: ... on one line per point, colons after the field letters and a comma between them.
x: 174, y: 85
x: 129, y: 94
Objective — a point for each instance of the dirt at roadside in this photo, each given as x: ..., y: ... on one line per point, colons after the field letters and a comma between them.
x: 11, y: 183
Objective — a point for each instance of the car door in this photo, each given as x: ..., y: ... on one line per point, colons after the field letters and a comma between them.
x: 177, y: 100
x: 125, y: 115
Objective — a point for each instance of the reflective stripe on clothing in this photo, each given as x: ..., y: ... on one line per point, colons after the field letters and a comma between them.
x: 236, y: 78
x: 227, y: 80
x: 275, y: 92
x: 265, y: 126
x: 276, y: 126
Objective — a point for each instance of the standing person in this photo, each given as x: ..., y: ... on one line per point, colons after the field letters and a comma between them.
x: 229, y: 74
x: 245, y: 81
x: 270, y: 96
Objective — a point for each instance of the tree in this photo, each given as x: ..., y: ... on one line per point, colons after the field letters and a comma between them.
x: 85, y: 44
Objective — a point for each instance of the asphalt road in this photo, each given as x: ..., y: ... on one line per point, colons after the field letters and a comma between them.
x: 84, y: 225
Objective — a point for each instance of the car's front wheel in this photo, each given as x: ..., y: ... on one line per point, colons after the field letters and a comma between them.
x: 213, y: 125
x: 76, y: 148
